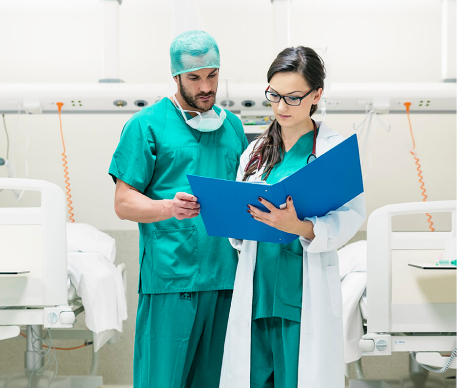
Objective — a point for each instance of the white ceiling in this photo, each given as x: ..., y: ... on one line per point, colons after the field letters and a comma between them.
x: 26, y: 5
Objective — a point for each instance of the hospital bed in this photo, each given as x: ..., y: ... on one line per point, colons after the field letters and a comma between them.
x: 410, y: 302
x: 42, y: 286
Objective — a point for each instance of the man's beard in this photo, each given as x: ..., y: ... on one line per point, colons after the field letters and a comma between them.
x: 193, y: 100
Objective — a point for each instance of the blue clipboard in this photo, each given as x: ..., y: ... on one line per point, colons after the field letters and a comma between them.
x: 325, y: 184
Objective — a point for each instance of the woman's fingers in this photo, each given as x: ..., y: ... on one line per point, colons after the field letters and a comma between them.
x: 262, y: 219
x: 267, y: 204
x: 290, y: 203
x: 258, y: 214
x: 255, y: 211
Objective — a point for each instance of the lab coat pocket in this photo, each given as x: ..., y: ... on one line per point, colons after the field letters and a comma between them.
x: 175, y: 253
x: 334, y: 289
x: 290, y: 278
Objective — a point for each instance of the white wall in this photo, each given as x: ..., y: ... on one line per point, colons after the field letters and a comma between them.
x: 385, y: 41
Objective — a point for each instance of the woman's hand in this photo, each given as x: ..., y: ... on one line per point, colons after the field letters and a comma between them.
x: 285, y: 219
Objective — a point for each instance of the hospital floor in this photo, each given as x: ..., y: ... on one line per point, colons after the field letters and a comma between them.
x: 130, y: 386
x: 117, y: 386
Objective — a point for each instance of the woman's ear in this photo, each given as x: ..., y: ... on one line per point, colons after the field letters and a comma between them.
x: 317, y: 96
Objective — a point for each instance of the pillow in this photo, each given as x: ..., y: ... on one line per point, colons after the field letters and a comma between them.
x: 86, y: 238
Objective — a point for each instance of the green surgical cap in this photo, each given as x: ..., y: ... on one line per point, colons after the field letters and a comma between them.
x: 193, y: 50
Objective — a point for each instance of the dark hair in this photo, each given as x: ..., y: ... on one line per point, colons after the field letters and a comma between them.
x: 269, y: 148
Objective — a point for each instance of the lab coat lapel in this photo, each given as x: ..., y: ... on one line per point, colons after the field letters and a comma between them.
x: 314, y: 325
x: 322, y: 143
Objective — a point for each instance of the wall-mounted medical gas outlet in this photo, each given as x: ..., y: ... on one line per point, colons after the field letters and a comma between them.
x: 227, y: 103
x: 248, y: 103
x: 140, y: 103
x: 120, y: 103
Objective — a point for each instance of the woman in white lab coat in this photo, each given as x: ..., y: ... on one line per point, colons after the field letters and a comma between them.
x: 285, y: 327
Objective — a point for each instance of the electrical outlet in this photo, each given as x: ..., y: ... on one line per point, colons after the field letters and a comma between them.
x: 424, y: 103
x: 76, y: 103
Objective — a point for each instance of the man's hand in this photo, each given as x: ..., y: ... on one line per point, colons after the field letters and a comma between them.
x: 183, y: 206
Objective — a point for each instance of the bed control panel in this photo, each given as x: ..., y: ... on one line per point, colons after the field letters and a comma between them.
x: 58, y: 317
x: 376, y: 344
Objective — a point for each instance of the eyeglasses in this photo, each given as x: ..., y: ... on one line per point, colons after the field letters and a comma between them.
x: 289, y: 100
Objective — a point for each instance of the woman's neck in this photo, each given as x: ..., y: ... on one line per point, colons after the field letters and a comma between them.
x: 290, y: 135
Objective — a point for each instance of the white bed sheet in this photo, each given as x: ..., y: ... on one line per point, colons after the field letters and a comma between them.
x: 99, y: 284
x: 94, y: 277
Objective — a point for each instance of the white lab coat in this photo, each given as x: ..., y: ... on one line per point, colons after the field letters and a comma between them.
x: 321, y: 361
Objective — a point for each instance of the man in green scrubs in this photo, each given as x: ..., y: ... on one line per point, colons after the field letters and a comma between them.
x: 277, y: 294
x: 186, y: 277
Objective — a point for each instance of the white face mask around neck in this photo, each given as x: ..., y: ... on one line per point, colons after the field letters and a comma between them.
x: 203, y: 122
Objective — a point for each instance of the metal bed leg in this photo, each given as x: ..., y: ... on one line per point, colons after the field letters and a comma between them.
x: 94, y: 367
x: 358, y: 369
x: 32, y: 357
x: 417, y: 374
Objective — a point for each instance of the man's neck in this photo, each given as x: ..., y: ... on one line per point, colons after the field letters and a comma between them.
x: 185, y: 106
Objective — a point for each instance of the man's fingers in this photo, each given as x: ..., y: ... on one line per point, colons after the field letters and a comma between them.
x: 183, y: 216
x: 186, y: 205
x: 191, y: 213
x: 188, y: 212
x: 186, y: 197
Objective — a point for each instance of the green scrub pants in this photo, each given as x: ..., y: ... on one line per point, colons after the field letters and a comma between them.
x: 179, y: 339
x: 274, y: 353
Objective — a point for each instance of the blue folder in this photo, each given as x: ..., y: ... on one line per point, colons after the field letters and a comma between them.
x: 323, y: 185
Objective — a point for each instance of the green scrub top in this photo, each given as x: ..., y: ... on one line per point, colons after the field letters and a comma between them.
x: 156, y: 151
x: 278, y: 276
